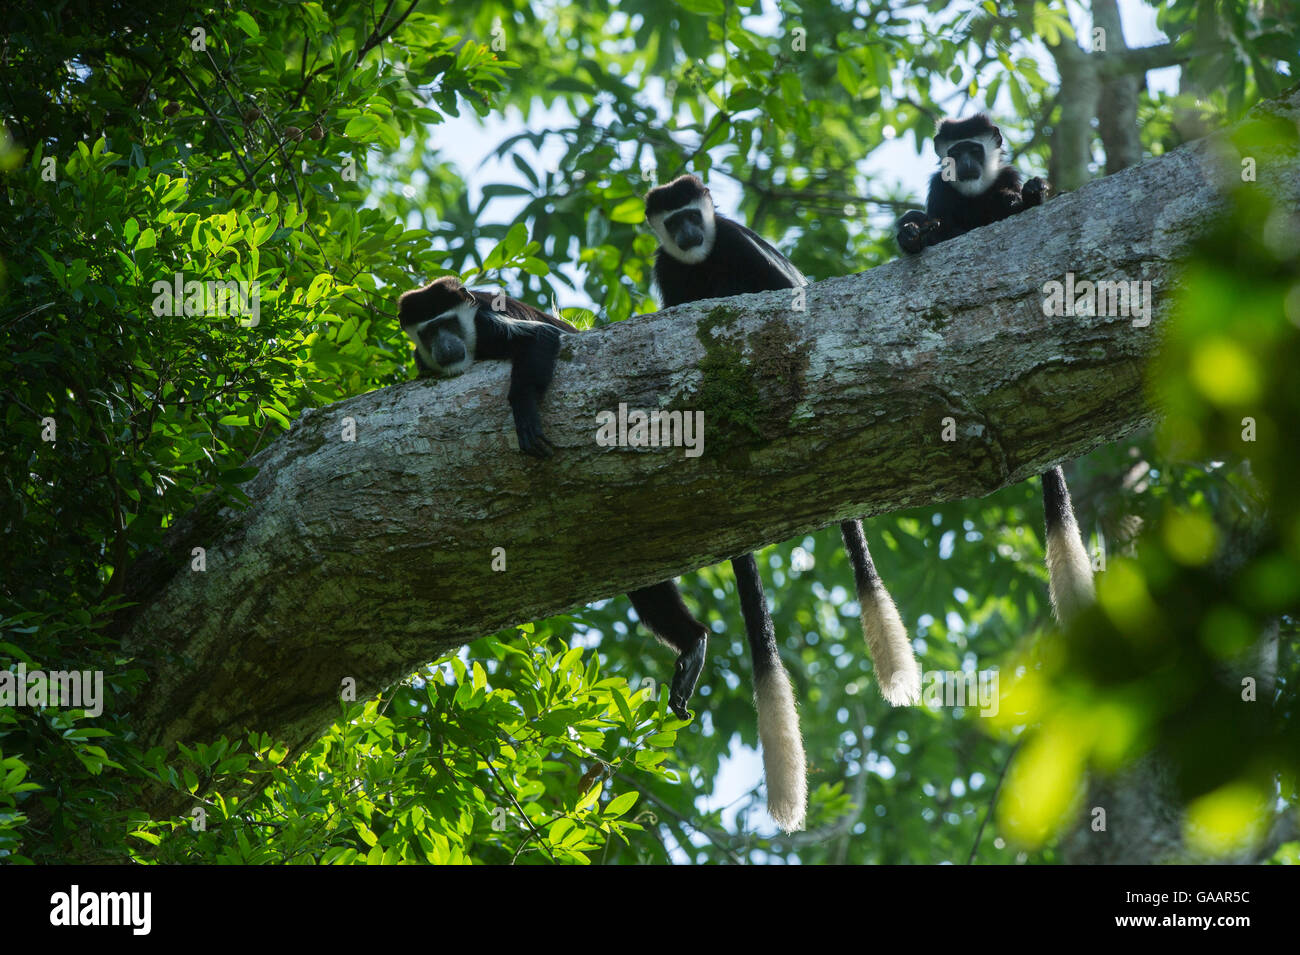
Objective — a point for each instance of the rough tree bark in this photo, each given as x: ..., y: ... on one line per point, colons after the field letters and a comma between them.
x: 366, y: 558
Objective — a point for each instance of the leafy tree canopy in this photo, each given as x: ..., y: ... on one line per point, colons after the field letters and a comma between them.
x: 298, y: 148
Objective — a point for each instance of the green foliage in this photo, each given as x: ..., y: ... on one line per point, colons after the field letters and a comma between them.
x: 1171, y: 654
x: 300, y: 148
x: 517, y: 754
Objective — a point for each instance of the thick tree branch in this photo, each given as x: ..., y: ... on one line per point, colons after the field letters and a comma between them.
x: 365, y: 558
x: 1143, y: 59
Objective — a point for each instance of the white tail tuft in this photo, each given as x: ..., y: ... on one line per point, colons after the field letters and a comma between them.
x: 784, y: 764
x: 1069, y: 575
x: 897, y: 671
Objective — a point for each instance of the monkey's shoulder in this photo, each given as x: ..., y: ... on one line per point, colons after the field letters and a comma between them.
x: 740, y: 261
x: 491, y: 304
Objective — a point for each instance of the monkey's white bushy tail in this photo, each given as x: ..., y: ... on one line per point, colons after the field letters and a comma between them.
x: 1069, y: 573
x: 784, y: 763
x: 897, y: 671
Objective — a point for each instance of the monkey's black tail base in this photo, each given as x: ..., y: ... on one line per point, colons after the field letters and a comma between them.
x: 1069, y: 573
x: 897, y: 672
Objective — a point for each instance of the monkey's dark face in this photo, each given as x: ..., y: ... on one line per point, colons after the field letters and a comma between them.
x: 968, y: 160
x: 681, y: 215
x: 443, y: 340
x: 971, y: 165
x: 439, y: 319
x: 686, y: 227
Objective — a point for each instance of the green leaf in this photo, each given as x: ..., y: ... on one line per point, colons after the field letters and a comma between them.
x: 318, y: 287
x: 276, y: 416
x: 746, y: 97
x: 621, y: 804
x: 620, y: 701
x: 515, y: 239
x: 589, y: 800
x: 708, y: 8
x: 246, y: 23
x: 630, y: 211
x: 363, y: 128
x: 558, y: 828
x: 175, y: 191
x: 847, y: 73
x: 648, y: 758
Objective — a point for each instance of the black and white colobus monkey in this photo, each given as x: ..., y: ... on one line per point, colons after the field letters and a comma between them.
x: 972, y: 189
x: 704, y: 255
x: 980, y: 189
x: 453, y: 327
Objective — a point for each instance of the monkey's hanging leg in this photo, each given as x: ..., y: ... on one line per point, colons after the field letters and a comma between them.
x: 897, y: 671
x: 784, y: 764
x: 1069, y: 574
x: 662, y: 610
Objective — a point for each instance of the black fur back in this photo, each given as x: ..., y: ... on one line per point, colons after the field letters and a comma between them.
x: 517, y: 309
x: 733, y: 267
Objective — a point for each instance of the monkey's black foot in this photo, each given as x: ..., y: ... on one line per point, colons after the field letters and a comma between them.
x: 686, y: 674
x: 1035, y: 191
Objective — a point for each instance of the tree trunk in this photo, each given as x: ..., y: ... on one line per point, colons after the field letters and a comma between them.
x: 365, y: 558
x: 1117, y: 121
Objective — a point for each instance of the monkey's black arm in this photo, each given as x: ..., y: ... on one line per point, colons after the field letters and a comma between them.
x: 532, y: 349
x: 1035, y: 191
x: 1011, y: 200
x: 664, y: 613
x: 949, y: 214
x: 769, y: 269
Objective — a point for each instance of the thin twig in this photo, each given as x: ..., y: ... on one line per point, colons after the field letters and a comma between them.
x: 993, y: 799
x: 514, y: 802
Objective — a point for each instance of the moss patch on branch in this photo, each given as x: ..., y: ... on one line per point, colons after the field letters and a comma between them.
x: 748, y: 398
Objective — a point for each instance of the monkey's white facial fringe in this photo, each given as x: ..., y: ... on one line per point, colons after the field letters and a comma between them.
x: 784, y: 763
x: 701, y: 252
x: 897, y: 671
x: 465, y: 316
x: 465, y: 320
x: 1069, y: 573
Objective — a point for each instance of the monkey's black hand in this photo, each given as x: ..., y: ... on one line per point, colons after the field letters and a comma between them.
x: 528, y: 422
x: 528, y: 426
x: 909, y: 238
x: 686, y: 673
x: 1035, y: 191
x: 913, y: 231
